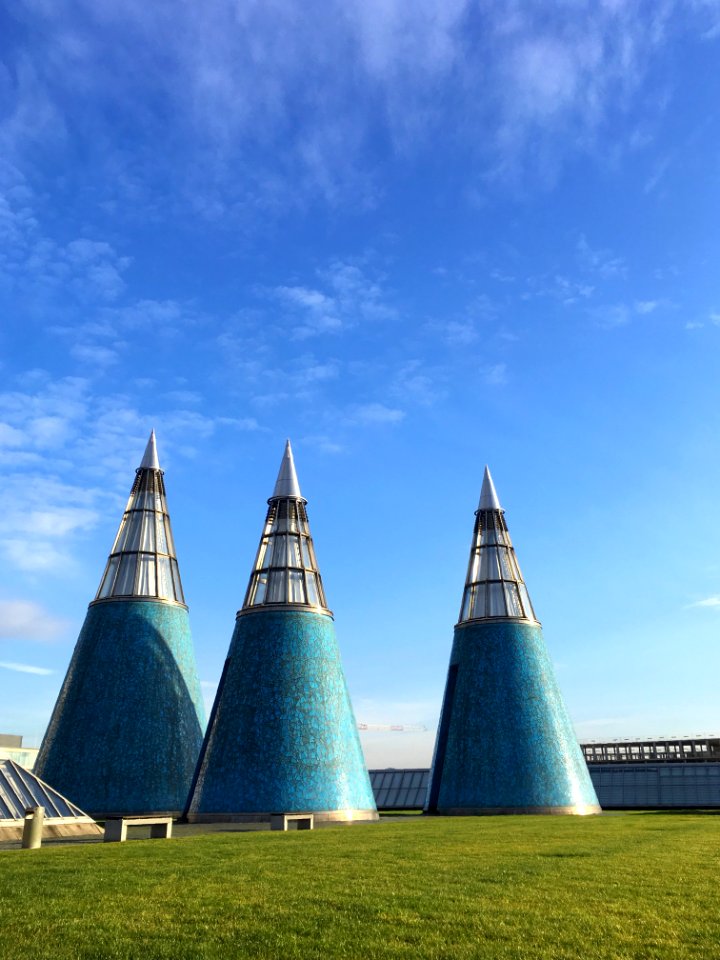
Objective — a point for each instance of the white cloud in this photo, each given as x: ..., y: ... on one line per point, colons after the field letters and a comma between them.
x: 24, y: 620
x: 495, y: 375
x: 295, y: 113
x: 713, y: 602
x: 26, y: 668
x: 646, y: 306
x: 94, y: 355
x: 370, y: 413
x: 323, y: 443
x: 603, y: 263
x: 350, y: 297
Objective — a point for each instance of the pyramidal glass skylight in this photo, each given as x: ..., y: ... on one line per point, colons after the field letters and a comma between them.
x: 286, y: 570
x: 142, y: 562
x: 494, y: 586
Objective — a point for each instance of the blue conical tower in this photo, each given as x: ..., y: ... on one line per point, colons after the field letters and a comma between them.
x: 282, y: 737
x: 127, y: 727
x: 505, y: 743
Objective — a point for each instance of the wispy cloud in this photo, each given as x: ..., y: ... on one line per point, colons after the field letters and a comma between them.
x: 602, y: 263
x: 712, y: 602
x: 25, y: 620
x: 345, y: 297
x: 349, y: 71
x: 376, y: 413
x: 26, y: 668
x: 495, y: 375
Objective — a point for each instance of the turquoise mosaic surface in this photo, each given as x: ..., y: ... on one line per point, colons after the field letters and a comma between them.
x: 282, y: 737
x: 505, y: 739
x: 128, y: 725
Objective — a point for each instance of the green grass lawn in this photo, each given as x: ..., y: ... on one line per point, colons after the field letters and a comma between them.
x: 634, y: 885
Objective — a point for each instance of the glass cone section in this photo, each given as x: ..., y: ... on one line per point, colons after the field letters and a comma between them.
x: 142, y: 562
x: 286, y: 570
x: 494, y: 586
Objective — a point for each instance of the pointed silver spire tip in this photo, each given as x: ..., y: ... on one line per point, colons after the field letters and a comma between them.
x: 150, y: 457
x: 287, y: 484
x: 488, y: 495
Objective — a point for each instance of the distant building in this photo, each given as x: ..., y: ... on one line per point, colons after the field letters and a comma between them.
x: 126, y: 730
x: 282, y: 736
x: 11, y: 748
x: 505, y: 743
x: 674, y: 773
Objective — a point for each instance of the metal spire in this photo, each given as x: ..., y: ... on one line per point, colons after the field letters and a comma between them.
x: 488, y: 496
x: 287, y: 484
x: 150, y: 457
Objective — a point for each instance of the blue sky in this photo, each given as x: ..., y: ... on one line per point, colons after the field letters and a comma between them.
x: 415, y: 238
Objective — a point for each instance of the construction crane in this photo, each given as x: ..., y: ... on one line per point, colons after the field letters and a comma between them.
x: 393, y: 727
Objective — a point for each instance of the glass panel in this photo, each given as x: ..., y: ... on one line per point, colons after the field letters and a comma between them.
x: 296, y: 589
x: 279, y: 550
x: 260, y: 589
x: 488, y: 533
x: 121, y: 534
x: 125, y: 582
x: 148, y: 533
x: 489, y: 564
x: 527, y: 606
x: 467, y: 599
x: 106, y: 586
x: 161, y: 538
x: 146, y: 576
x: 292, y: 520
x: 305, y: 553
x: 179, y: 595
x: 500, y: 535
x: 293, y: 554
x: 281, y: 521
x: 513, y: 600
x: 474, y: 566
x: 132, y: 540
x: 480, y: 596
x: 496, y: 601
x: 276, y: 587
x: 262, y: 551
x: 141, y: 501
x: 505, y: 565
x: 312, y: 594
x: 165, y: 585
x: 168, y: 534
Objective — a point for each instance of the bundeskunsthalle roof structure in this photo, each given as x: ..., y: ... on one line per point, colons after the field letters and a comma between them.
x: 282, y: 737
x: 505, y: 742
x: 127, y: 726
